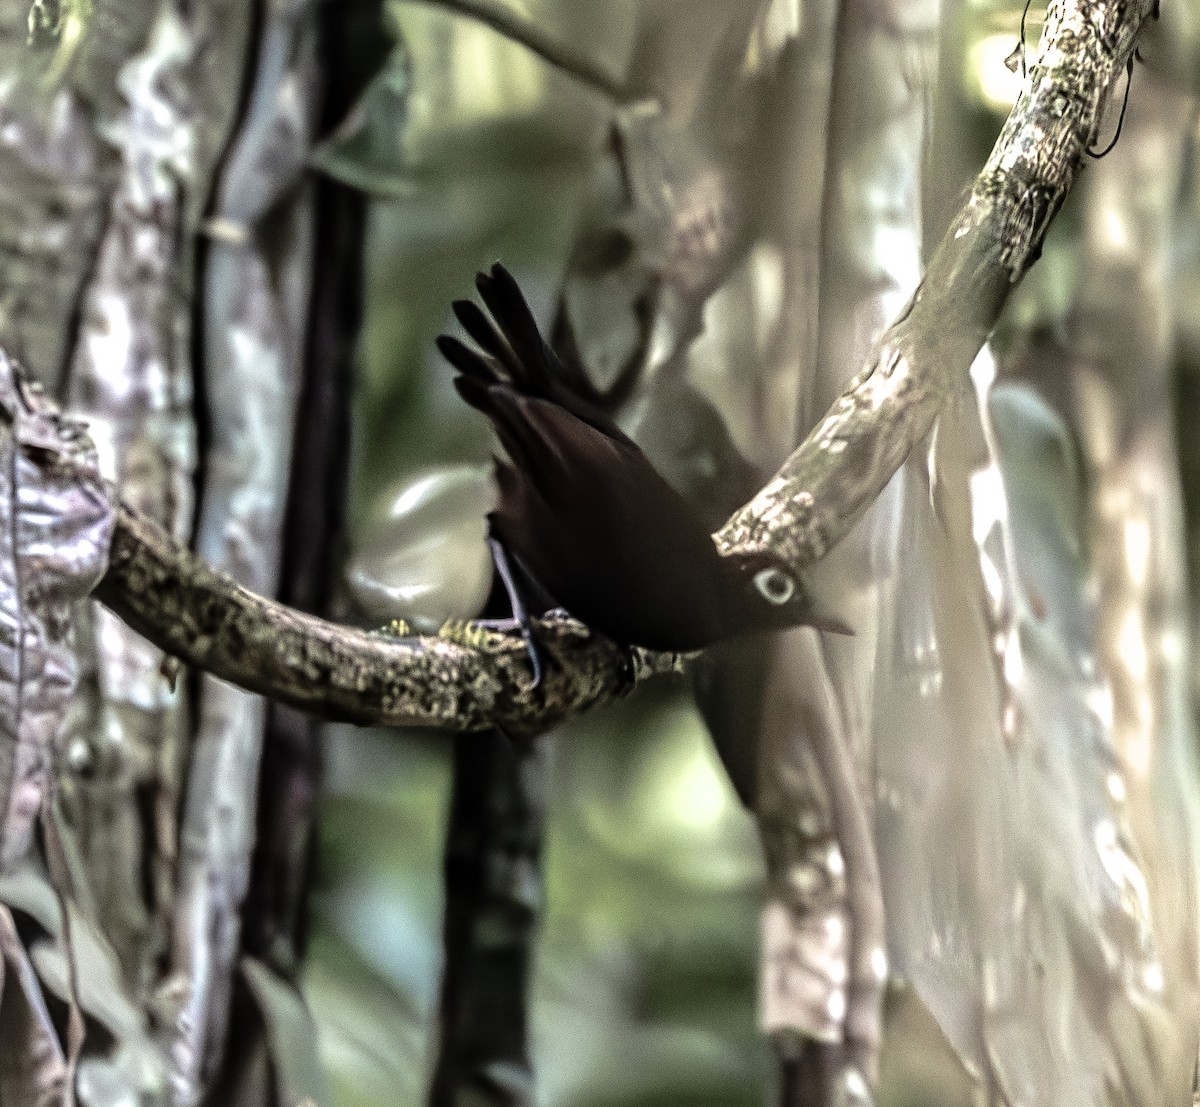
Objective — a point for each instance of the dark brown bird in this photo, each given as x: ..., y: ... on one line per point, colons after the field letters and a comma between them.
x: 582, y: 510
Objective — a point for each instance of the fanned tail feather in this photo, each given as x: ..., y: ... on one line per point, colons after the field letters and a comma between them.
x: 539, y: 366
x: 547, y: 374
x: 470, y: 363
x: 475, y: 391
x: 492, y: 341
x: 513, y: 353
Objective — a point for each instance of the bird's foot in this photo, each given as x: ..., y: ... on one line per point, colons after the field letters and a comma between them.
x: 525, y: 629
x: 481, y: 634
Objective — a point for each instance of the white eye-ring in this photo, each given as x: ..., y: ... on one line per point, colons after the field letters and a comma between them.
x: 774, y: 585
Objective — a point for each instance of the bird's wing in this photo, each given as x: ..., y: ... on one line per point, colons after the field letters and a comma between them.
x: 557, y: 455
x: 578, y: 470
x: 516, y: 505
x: 537, y: 435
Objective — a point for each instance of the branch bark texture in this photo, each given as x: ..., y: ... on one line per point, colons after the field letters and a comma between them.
x: 464, y: 679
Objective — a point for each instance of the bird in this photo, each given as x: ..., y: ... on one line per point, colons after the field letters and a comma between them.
x: 581, y: 511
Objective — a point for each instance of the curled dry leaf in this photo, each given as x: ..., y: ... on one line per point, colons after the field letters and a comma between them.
x: 54, y: 539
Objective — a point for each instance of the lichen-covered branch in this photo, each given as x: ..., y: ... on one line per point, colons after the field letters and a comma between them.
x: 475, y: 679
x: 824, y: 487
x: 465, y: 679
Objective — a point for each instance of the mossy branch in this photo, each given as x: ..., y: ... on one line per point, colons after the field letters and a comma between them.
x: 466, y: 678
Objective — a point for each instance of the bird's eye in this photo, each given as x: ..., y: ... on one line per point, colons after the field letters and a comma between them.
x: 774, y: 585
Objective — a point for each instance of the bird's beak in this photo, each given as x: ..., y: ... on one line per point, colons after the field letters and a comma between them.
x: 834, y: 626
x: 820, y: 617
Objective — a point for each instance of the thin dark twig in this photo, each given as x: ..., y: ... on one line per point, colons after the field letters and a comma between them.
x: 1121, y: 120
x: 1024, y: 13
x: 60, y: 881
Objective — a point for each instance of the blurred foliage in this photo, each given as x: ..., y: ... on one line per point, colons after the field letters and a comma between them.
x: 644, y: 986
x: 644, y: 992
x: 59, y: 24
x: 474, y: 150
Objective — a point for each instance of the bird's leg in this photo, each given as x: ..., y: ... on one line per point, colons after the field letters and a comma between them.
x: 520, y: 617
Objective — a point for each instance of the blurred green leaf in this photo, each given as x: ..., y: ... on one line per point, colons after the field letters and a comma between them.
x: 292, y: 1035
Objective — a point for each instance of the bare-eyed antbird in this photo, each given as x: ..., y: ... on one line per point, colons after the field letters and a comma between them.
x: 584, y: 513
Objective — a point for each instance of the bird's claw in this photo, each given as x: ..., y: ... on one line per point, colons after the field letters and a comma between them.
x: 535, y: 658
x: 525, y: 629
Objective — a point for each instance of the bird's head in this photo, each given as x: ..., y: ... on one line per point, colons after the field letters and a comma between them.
x: 768, y: 594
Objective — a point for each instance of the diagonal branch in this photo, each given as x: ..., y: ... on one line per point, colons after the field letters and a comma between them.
x: 511, y: 24
x: 475, y: 678
x: 925, y: 356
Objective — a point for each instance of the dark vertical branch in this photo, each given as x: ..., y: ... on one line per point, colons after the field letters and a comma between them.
x: 493, y: 898
x: 353, y: 46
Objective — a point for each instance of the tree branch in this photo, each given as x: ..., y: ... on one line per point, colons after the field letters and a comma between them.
x: 517, y: 28
x: 469, y: 678
x: 465, y: 679
x: 924, y: 357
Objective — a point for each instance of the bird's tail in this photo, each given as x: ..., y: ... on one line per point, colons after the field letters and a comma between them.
x: 512, y: 352
x: 472, y: 366
x: 512, y: 349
